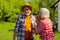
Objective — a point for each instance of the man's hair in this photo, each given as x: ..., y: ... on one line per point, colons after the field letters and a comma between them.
x: 26, y: 5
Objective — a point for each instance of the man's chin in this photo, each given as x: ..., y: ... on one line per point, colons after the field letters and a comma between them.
x: 27, y: 14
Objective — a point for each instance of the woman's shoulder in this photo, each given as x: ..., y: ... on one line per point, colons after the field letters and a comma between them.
x: 45, y: 21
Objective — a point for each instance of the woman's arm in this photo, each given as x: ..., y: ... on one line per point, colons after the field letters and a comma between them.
x: 39, y: 28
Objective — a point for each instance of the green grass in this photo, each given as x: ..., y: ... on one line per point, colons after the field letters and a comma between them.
x: 5, y: 34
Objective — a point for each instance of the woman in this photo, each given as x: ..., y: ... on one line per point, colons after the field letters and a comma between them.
x: 44, y: 28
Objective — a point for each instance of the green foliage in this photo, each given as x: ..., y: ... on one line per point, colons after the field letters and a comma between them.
x: 10, y: 9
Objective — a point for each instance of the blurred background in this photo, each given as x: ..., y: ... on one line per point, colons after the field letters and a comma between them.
x: 10, y: 9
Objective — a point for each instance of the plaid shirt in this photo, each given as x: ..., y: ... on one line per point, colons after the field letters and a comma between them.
x: 19, y: 28
x: 45, y: 29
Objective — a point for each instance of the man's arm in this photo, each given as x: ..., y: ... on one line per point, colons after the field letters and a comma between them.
x: 14, y: 36
x: 16, y: 29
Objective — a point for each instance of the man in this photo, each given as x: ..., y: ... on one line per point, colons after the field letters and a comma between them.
x: 25, y: 24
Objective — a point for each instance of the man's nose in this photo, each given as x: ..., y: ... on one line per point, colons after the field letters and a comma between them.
x: 26, y: 10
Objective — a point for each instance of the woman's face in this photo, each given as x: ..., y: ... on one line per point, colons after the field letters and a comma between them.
x: 27, y: 11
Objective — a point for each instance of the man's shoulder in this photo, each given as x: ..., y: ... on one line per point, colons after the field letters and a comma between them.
x: 21, y: 15
x: 32, y: 16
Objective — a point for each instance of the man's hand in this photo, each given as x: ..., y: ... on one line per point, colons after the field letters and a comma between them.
x: 14, y: 36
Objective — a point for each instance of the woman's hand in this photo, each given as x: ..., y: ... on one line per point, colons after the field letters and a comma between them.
x: 37, y: 19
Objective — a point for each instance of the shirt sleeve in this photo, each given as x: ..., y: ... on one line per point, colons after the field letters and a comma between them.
x: 17, y: 25
x: 34, y: 24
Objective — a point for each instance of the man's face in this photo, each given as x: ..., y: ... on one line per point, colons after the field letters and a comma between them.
x: 27, y: 11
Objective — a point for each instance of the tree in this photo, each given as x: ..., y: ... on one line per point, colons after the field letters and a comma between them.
x: 10, y: 9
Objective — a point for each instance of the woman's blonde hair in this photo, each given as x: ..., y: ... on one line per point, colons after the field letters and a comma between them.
x: 44, y: 13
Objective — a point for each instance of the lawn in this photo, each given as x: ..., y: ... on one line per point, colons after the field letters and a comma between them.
x: 6, y: 32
